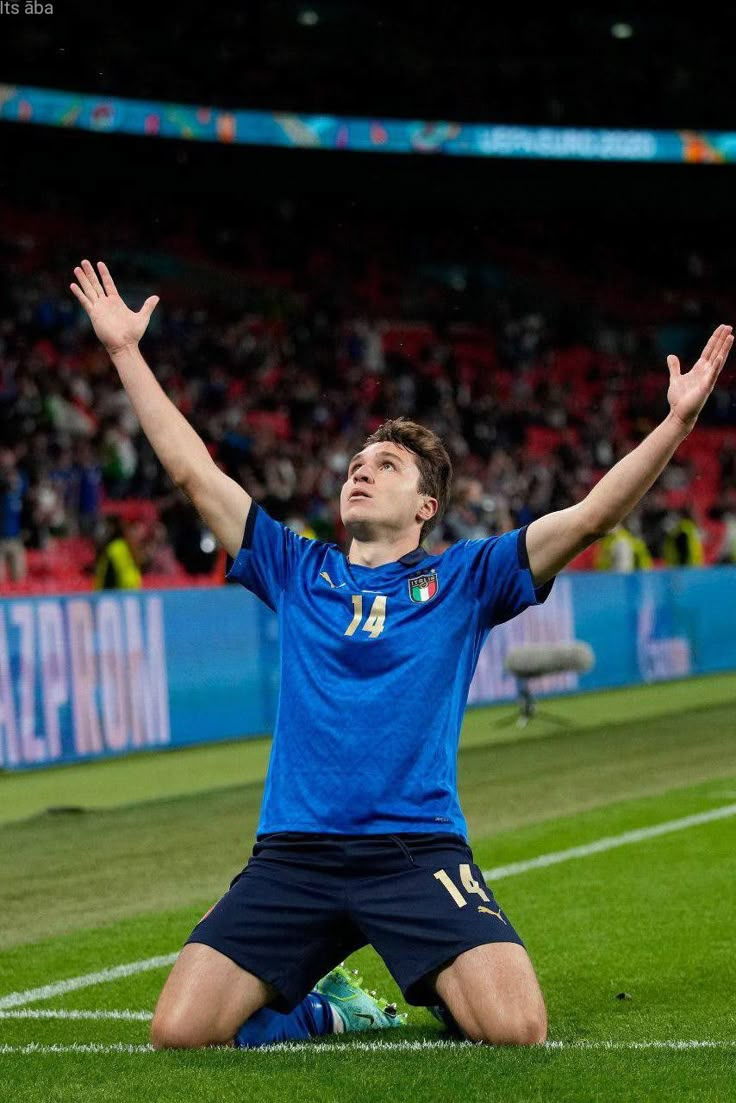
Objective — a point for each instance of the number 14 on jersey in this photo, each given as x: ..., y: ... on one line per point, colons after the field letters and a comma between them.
x: 375, y: 620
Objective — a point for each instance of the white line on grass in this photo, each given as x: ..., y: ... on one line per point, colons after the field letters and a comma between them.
x: 281, y: 1048
x: 34, y: 1048
x: 611, y: 842
x: 43, y: 1013
x: 61, y: 987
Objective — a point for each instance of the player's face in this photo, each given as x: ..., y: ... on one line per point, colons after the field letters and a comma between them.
x: 380, y: 496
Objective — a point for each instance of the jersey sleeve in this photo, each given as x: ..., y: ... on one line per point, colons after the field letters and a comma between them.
x: 502, y: 580
x: 268, y: 556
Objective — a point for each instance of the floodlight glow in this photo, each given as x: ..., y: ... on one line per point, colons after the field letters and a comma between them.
x: 622, y: 30
x: 308, y: 18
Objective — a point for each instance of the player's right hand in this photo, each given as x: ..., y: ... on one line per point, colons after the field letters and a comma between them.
x: 116, y: 325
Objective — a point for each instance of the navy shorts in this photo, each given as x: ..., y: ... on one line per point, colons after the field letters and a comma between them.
x: 304, y: 902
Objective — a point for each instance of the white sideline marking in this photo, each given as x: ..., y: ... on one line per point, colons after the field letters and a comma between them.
x: 280, y: 1048
x: 610, y: 842
x: 42, y: 1013
x: 61, y: 987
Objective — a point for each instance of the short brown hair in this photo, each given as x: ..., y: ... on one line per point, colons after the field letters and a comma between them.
x: 435, y: 466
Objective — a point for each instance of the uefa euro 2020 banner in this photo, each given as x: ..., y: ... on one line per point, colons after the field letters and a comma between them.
x: 94, y: 676
x: 155, y: 119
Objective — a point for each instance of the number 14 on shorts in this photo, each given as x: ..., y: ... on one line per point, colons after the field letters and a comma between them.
x: 468, y: 882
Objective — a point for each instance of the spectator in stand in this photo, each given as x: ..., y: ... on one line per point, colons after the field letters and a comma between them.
x: 63, y: 478
x: 473, y: 514
x: 194, y: 545
x: 683, y: 544
x: 48, y: 514
x: 622, y: 550
x: 159, y: 558
x: 26, y: 409
x: 119, y: 458
x: 117, y: 562
x: 88, y: 488
x: 13, y: 490
x: 301, y: 527
x: 726, y: 550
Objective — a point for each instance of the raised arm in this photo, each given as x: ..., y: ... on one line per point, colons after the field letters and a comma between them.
x: 219, y: 500
x: 554, y: 540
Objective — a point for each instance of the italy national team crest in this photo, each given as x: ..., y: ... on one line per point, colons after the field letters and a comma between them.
x: 423, y: 587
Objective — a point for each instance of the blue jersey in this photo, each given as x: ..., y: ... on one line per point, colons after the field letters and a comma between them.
x: 376, y: 663
x: 11, y: 506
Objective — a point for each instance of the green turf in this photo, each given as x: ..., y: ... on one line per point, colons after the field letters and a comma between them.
x: 86, y: 891
x: 463, y: 1075
x: 140, y: 777
x: 627, y: 920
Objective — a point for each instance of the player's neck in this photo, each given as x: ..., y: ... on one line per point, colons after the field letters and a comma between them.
x: 376, y: 553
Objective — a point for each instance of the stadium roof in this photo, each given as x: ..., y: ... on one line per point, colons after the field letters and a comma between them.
x: 576, y: 67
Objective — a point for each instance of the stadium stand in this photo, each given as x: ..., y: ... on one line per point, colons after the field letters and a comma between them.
x: 540, y: 357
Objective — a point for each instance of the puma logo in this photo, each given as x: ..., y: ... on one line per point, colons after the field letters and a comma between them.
x: 324, y: 574
x: 489, y: 911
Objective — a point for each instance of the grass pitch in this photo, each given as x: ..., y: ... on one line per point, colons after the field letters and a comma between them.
x: 124, y: 878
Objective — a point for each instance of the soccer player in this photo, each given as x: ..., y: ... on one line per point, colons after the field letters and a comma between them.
x: 361, y: 838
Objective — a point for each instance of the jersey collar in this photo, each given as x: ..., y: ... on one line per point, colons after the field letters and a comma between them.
x: 413, y: 557
x: 409, y: 560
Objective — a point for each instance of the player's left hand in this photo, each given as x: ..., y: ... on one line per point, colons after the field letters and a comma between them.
x: 687, y: 393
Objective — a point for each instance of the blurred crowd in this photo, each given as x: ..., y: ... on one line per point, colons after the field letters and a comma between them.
x: 285, y: 345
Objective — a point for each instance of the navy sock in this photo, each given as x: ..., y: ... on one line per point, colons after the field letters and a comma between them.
x: 310, y: 1018
x: 448, y: 1019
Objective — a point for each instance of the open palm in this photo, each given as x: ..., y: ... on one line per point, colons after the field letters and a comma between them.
x: 687, y: 393
x: 116, y: 325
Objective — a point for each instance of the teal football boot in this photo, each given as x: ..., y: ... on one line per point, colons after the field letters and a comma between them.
x: 358, y: 1009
